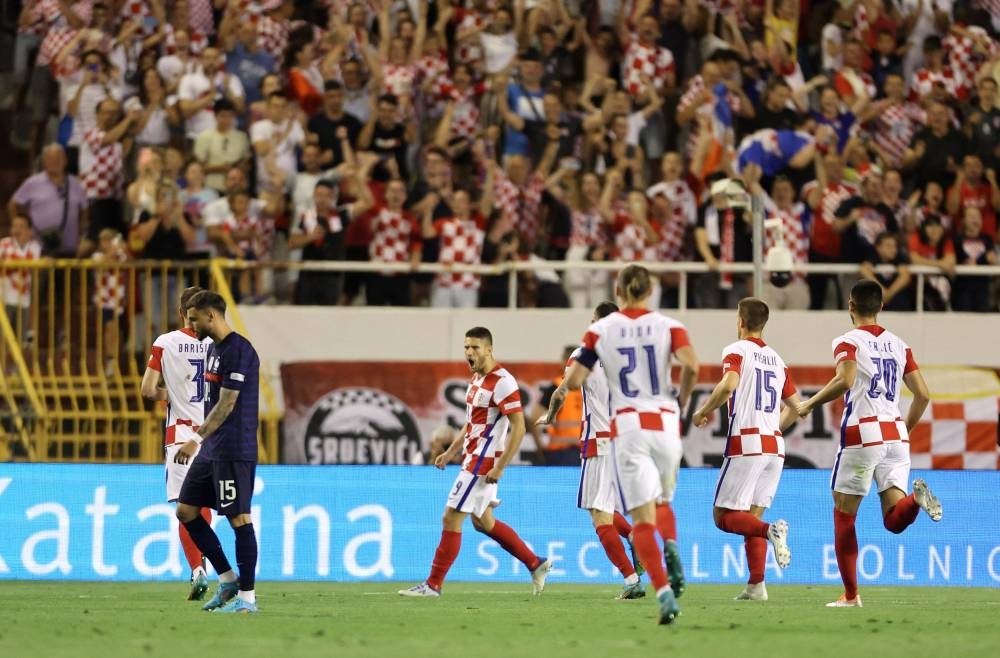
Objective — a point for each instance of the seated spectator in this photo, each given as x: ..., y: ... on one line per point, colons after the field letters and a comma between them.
x: 973, y: 247
x: 930, y: 246
x: 897, y: 293
x: 15, y: 284
x: 54, y: 203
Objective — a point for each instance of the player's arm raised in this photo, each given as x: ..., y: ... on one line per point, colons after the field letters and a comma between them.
x: 921, y: 398
x: 719, y: 395
x: 517, y: 430
x: 218, y: 415
x: 842, y: 382
x: 445, y: 457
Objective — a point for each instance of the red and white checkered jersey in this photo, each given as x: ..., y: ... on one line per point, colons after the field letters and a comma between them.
x: 893, y: 129
x: 137, y: 11
x: 644, y: 60
x: 180, y: 358
x: 965, y: 57
x: 16, y: 283
x: 200, y: 17
x: 823, y: 239
x: 587, y: 229
x: 398, y: 78
x: 871, y: 407
x: 465, y: 116
x: 631, y: 242
x: 470, y: 50
x: 755, y: 405
x: 520, y: 204
x: 793, y: 232
x: 57, y: 31
x: 100, y: 166
x: 635, y: 346
x: 395, y: 235
x: 273, y: 36
x: 247, y: 222
x: 684, y: 212
x: 198, y: 41
x: 489, y: 399
x: 925, y: 79
x: 595, y: 435
x: 461, y: 242
x: 433, y: 68
x: 109, y: 285
x: 853, y: 82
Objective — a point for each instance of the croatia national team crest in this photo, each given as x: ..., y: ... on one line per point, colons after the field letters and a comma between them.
x: 361, y: 426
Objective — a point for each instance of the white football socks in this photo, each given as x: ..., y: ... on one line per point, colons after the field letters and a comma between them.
x: 249, y: 596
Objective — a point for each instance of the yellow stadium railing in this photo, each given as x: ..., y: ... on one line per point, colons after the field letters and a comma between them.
x: 74, y: 339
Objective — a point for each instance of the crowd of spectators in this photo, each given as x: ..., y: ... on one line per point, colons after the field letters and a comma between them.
x: 486, y: 131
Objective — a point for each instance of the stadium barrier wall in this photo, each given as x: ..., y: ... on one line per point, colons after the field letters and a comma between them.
x: 100, y: 522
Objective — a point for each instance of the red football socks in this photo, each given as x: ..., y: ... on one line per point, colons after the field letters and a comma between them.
x: 650, y: 554
x: 614, y: 549
x: 622, y: 525
x: 666, y: 523
x: 504, y: 535
x: 902, y: 515
x: 756, y: 548
x: 846, y: 544
x: 743, y: 523
x: 191, y: 552
x: 444, y: 557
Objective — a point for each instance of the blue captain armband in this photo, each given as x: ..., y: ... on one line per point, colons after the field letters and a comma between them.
x: 587, y: 357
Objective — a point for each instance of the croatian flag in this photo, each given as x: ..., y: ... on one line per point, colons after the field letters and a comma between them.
x: 771, y: 149
x: 721, y: 121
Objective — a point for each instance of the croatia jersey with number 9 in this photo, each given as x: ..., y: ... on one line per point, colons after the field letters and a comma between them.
x: 871, y: 407
x: 635, y: 347
x: 180, y: 357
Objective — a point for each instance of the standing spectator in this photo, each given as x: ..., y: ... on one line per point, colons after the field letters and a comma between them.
x: 247, y: 237
x: 396, y: 238
x: 162, y: 233
x: 222, y: 147
x: 935, y: 72
x: 885, y: 60
x: 389, y: 138
x: 109, y: 295
x: 216, y: 213
x: 842, y: 123
x: 55, y: 204
x: 157, y: 115
x: 319, y: 232
x: 275, y: 140
x: 851, y: 81
x: 323, y: 126
x: 80, y: 99
x: 930, y: 246
x: 246, y: 60
x: 304, y: 182
x: 305, y: 79
x: 179, y: 62
x: 972, y: 188
x: 927, y: 202
x: 194, y: 197
x: 588, y: 241
x: 358, y: 91
x: 861, y: 219
x: 15, y: 284
x: 781, y: 25
x: 893, y: 121
x: 723, y: 235
x: 983, y: 124
x: 937, y: 150
x: 781, y: 205
x: 198, y: 92
x: 499, y: 42
x: 774, y: 112
x: 824, y: 196
x: 897, y: 294
x: 101, y: 165
x: 973, y: 247
x: 523, y: 104
x: 141, y: 193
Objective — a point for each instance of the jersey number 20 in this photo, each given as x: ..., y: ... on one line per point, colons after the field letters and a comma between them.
x: 199, y: 379
x: 887, y: 370
x: 630, y: 355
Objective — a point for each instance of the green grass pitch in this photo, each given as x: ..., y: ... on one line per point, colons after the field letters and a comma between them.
x: 472, y: 620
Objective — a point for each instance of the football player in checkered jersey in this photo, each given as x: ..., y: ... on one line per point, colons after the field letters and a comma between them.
x: 175, y: 374
x: 598, y: 493
x: 493, y: 406
x: 874, y: 440
x: 754, y: 379
x: 635, y: 346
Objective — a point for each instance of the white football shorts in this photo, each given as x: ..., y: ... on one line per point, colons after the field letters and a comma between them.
x: 598, y: 485
x: 646, y: 465
x: 175, y: 472
x: 471, y: 494
x: 888, y: 463
x: 745, y: 482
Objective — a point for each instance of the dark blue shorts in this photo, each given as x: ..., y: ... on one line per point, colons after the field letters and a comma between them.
x: 225, y: 486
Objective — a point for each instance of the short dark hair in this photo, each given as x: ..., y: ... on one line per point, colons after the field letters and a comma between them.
x: 206, y: 299
x: 754, y: 313
x: 332, y: 85
x: 224, y: 105
x: 187, y: 295
x: 867, y: 297
x: 604, y: 309
x: 277, y: 94
x: 482, y: 333
x: 327, y: 183
x: 883, y: 236
x: 391, y: 99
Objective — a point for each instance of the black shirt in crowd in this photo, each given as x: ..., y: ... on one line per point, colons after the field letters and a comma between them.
x: 858, y: 241
x: 325, y: 129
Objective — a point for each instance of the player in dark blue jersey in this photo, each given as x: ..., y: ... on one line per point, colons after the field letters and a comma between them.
x: 222, y: 475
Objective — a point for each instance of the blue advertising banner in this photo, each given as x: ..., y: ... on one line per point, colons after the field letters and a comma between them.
x: 341, y: 523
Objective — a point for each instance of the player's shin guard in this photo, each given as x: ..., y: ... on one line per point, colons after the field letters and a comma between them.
x: 208, y: 543
x: 651, y: 555
x: 666, y: 522
x: 622, y: 526
x: 504, y: 535
x: 756, y: 548
x: 614, y: 549
x: 742, y: 523
x: 191, y: 552
x: 846, y: 544
x: 444, y: 557
x: 246, y: 556
x: 902, y: 515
